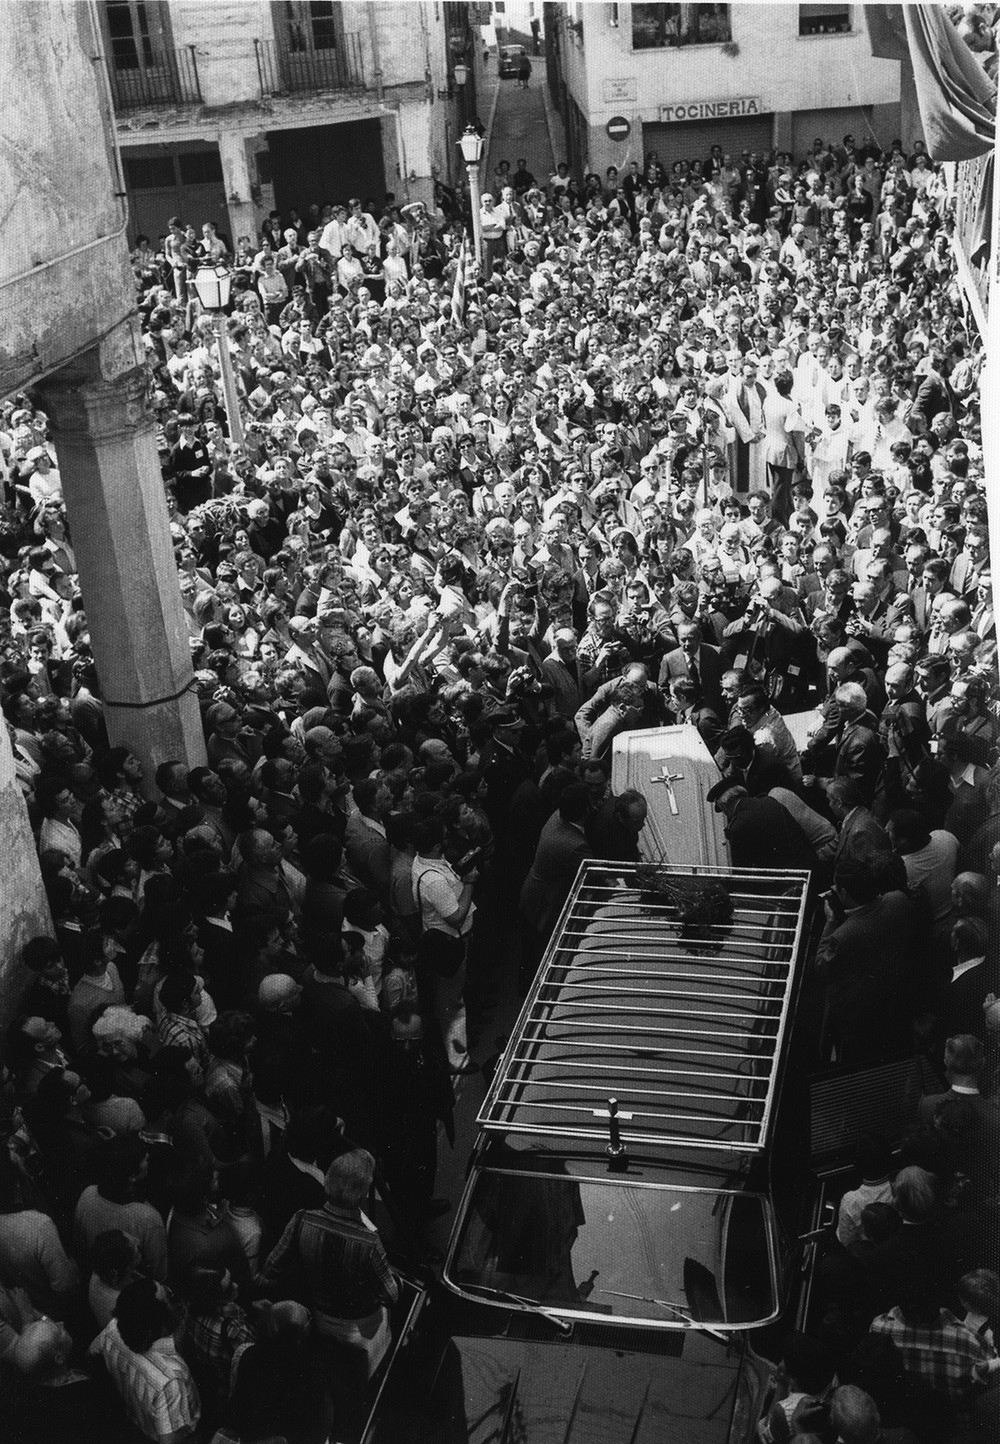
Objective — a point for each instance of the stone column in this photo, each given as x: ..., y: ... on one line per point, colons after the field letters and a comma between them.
x: 243, y: 218
x: 24, y: 912
x: 116, y: 504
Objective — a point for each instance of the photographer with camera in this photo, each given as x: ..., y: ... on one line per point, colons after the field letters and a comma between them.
x: 772, y: 640
x: 604, y: 648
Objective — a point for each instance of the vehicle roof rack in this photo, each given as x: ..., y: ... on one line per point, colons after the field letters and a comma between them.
x: 681, y: 1022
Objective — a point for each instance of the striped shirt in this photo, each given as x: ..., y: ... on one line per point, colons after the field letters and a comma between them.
x: 156, y: 1388
x: 338, y: 1260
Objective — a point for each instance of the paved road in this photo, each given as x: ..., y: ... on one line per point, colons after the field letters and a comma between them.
x: 519, y: 129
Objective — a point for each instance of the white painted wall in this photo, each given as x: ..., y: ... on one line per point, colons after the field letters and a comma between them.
x: 787, y: 72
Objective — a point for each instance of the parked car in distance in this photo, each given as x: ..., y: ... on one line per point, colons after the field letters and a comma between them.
x: 510, y: 60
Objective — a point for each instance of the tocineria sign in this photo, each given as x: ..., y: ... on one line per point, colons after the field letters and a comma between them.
x: 712, y: 109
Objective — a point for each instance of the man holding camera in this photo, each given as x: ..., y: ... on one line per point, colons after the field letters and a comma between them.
x: 771, y: 637
x: 603, y: 649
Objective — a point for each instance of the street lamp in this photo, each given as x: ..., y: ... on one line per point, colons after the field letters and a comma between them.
x: 472, y: 153
x: 213, y: 284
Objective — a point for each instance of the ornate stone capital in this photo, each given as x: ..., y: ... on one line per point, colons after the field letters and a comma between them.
x: 84, y: 408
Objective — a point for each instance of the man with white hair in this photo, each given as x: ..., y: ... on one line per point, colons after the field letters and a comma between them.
x: 860, y: 754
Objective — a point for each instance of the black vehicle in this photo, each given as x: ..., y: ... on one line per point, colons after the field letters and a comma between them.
x: 625, y: 1251
x: 510, y: 61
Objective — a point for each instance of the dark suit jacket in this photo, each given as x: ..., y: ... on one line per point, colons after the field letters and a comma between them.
x: 860, y: 754
x: 710, y: 669
x: 369, y: 857
x: 934, y: 395
x: 864, y: 840
x: 607, y: 836
x: 567, y: 694
x: 762, y: 833
x: 866, y: 963
x: 560, y: 851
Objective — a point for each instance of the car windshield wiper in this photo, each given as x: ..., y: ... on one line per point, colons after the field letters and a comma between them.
x: 531, y: 1305
x: 676, y: 1309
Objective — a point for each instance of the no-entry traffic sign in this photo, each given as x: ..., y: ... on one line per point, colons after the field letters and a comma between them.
x: 618, y: 128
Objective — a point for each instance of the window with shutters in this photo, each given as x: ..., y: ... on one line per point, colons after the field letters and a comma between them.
x: 312, y: 25
x: 824, y: 19
x: 137, y: 32
x: 660, y: 27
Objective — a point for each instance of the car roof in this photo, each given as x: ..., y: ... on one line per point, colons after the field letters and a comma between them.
x: 681, y: 1027
x: 512, y: 50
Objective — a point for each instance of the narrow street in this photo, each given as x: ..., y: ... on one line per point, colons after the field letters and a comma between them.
x: 519, y: 128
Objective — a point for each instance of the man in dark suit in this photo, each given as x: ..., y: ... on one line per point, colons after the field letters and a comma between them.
x: 934, y: 395
x: 760, y: 831
x: 863, y: 841
x: 368, y: 853
x: 860, y: 754
x: 983, y: 618
x: 687, y: 707
x: 865, y: 961
x: 561, y: 848
x: 976, y: 1135
x: 562, y: 672
x: 613, y: 830
x: 969, y: 565
x: 189, y: 467
x: 965, y: 979
x: 741, y: 760
x: 879, y: 608
x: 695, y: 659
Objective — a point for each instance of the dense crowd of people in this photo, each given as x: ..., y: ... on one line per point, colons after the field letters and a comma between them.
x: 700, y: 445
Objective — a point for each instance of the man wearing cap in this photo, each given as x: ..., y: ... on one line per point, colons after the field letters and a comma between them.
x: 504, y: 767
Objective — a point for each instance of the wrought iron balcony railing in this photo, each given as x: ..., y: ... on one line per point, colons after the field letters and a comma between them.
x: 285, y: 70
x: 172, y: 79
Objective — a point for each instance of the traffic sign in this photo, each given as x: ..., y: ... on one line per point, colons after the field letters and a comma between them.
x: 618, y: 128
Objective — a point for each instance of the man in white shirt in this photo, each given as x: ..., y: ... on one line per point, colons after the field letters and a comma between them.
x: 334, y: 234
x: 361, y: 230
x: 446, y: 911
x: 770, y: 732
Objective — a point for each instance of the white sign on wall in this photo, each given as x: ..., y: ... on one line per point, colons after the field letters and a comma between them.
x: 616, y: 90
x: 711, y: 109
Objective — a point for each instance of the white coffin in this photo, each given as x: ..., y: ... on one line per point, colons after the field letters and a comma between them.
x: 695, y: 834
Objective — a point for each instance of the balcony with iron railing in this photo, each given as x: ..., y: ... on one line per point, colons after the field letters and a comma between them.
x: 286, y: 70
x: 170, y: 79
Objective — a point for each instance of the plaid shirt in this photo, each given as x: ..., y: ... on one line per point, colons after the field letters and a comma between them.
x: 208, y: 1341
x: 944, y: 1356
x: 177, y: 1031
x: 336, y: 1261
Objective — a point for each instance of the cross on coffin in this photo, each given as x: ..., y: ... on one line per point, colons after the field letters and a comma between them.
x: 668, y: 779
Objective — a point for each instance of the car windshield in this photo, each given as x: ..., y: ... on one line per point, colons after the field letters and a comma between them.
x: 670, y: 1256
